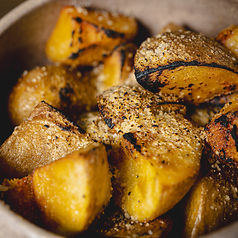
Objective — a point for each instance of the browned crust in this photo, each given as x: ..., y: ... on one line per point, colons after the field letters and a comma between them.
x: 221, y: 136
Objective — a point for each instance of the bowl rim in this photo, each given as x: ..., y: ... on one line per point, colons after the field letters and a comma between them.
x: 31, y: 230
x: 18, y: 12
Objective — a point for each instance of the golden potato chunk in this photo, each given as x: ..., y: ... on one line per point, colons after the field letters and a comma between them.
x: 85, y: 36
x: 45, y: 136
x: 229, y: 39
x: 72, y: 191
x: 155, y: 154
x: 192, y: 66
x: 212, y: 203
x: 153, y: 175
x: 63, y: 88
x: 221, y: 133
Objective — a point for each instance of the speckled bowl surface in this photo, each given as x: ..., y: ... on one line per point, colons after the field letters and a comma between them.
x: 24, y: 31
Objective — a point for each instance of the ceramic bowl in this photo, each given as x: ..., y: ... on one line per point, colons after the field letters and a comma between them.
x: 23, y: 34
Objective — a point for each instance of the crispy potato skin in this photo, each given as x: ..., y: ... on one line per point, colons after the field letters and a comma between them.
x: 196, y: 68
x: 221, y: 133
x: 61, y: 87
x: 72, y: 191
x: 45, y: 136
x: 229, y: 39
x: 85, y: 36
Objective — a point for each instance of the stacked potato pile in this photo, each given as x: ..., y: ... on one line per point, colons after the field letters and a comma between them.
x: 152, y: 133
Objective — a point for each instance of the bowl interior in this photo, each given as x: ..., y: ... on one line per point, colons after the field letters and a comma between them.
x: 24, y: 31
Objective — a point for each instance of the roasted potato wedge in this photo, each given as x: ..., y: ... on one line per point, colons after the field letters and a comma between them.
x: 221, y: 133
x: 72, y: 191
x: 85, y: 36
x: 150, y: 177
x: 63, y: 88
x: 150, y: 142
x: 212, y: 203
x: 229, y: 39
x: 192, y: 66
x: 45, y: 136
x: 64, y: 196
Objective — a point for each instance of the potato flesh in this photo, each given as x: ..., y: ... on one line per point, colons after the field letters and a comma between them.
x: 71, y: 200
x: 191, y: 83
x: 89, y: 36
x: 137, y: 188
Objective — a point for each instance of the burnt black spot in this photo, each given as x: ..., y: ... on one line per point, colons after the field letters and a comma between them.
x: 65, y: 93
x: 226, y: 159
x: 113, y: 34
x: 109, y: 123
x: 234, y: 136
x: 78, y: 19
x: 70, y: 128
x: 190, y: 85
x: 65, y: 127
x: 46, y: 126
x: 233, y: 87
x: 76, y: 54
x: 123, y: 57
x: 144, y: 80
x: 223, y: 120
x: 130, y: 137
